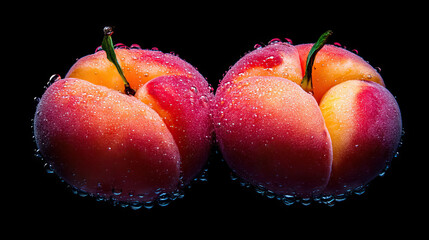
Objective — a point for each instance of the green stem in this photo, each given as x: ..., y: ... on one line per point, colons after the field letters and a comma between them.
x: 108, y: 47
x: 307, y: 83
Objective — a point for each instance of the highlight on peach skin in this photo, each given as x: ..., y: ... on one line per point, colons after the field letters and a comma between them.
x: 126, y: 124
x: 306, y: 122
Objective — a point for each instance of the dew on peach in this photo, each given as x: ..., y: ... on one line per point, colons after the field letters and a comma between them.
x: 126, y: 125
x: 285, y: 97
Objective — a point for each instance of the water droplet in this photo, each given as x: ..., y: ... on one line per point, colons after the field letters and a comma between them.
x: 99, y: 48
x: 194, y: 90
x: 359, y: 190
x: 305, y: 201
x: 378, y: 69
x: 136, y: 205
x: 53, y: 78
x: 120, y: 46
x: 355, y: 51
x: 135, y: 46
x: 382, y: 173
x: 204, y: 100
x: 288, y: 40
x: 396, y: 155
x: 48, y: 168
x: 257, y: 46
x: 340, y: 197
x: 233, y: 176
x: 327, y: 199
x: 288, y: 200
x: 148, y: 205
x: 164, y: 200
x: 274, y: 41
x: 116, y: 191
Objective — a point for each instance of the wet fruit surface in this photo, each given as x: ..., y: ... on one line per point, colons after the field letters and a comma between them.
x: 224, y: 41
x: 325, y: 137
x: 133, y: 143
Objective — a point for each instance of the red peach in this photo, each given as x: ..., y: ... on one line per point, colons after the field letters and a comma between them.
x: 139, y: 67
x: 276, y: 60
x: 272, y: 133
x: 184, y: 104
x: 364, y: 122
x: 258, y: 111
x: 100, y: 140
x: 334, y: 65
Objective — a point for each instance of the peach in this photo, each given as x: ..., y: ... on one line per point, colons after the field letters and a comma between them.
x: 276, y: 60
x: 184, y: 104
x: 272, y: 133
x: 275, y: 135
x: 334, y: 65
x: 104, y: 142
x: 132, y: 146
x: 139, y: 67
x: 364, y: 122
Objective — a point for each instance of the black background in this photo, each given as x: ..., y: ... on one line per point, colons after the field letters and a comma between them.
x: 212, y: 37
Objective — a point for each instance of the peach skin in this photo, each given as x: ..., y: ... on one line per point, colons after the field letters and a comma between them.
x: 126, y: 124
x: 101, y: 141
x: 364, y: 122
x: 273, y: 132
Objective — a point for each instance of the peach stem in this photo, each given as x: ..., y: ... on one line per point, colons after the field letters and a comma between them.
x: 108, y: 47
x: 306, y: 82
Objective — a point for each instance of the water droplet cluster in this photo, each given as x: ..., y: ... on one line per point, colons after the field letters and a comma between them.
x: 291, y: 199
x: 163, y: 197
x: 123, y: 46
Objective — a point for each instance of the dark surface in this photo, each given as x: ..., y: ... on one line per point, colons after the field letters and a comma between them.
x: 212, y: 38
